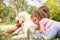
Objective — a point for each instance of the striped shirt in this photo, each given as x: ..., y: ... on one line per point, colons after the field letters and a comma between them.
x: 48, y: 24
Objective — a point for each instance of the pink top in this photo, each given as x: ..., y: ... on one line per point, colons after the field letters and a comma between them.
x: 48, y: 24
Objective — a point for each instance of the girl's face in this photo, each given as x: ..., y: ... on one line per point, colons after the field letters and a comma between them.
x: 35, y: 20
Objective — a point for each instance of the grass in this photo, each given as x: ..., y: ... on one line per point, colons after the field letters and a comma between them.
x: 7, y: 23
x: 5, y: 37
x: 8, y: 37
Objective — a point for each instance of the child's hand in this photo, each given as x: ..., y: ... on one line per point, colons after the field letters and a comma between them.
x: 4, y: 33
x: 36, y: 32
x: 21, y: 32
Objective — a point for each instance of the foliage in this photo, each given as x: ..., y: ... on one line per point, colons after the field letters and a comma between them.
x: 7, y: 12
x: 28, y: 8
x: 2, y: 6
x: 8, y: 23
x: 54, y: 6
x: 13, y: 8
x: 16, y: 5
x: 11, y: 13
x: 32, y: 8
x: 25, y: 6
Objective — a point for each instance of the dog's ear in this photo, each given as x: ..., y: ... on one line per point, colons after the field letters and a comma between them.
x: 21, y: 19
x: 17, y: 18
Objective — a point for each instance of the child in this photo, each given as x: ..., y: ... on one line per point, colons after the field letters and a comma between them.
x: 13, y: 29
x: 46, y: 14
x: 48, y: 28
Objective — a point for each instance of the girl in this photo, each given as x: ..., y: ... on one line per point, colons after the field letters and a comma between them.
x: 47, y: 27
x: 46, y: 14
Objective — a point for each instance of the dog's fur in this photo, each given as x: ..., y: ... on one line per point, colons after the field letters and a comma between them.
x: 27, y: 24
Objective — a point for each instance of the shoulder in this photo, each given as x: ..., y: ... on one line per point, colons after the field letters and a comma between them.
x: 43, y: 20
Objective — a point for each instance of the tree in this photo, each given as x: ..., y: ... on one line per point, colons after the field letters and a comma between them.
x: 2, y: 6
x: 31, y: 9
x: 54, y: 6
x: 17, y: 5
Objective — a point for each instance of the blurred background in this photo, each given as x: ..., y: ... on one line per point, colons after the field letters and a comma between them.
x: 10, y: 8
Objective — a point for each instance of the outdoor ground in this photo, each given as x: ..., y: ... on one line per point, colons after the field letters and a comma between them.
x: 5, y: 26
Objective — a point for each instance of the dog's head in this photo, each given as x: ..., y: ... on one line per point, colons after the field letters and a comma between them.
x: 22, y: 16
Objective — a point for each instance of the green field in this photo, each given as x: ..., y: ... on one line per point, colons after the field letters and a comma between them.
x: 8, y: 37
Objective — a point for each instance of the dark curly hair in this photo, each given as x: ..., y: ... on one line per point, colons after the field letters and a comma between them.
x: 42, y: 12
x: 46, y: 10
x: 38, y: 15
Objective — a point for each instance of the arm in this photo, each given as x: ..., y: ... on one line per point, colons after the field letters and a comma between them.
x: 17, y: 31
x: 42, y: 29
x: 10, y: 30
x: 21, y: 32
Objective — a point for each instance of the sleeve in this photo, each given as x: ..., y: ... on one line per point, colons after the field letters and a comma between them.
x: 44, y: 21
x: 18, y: 25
